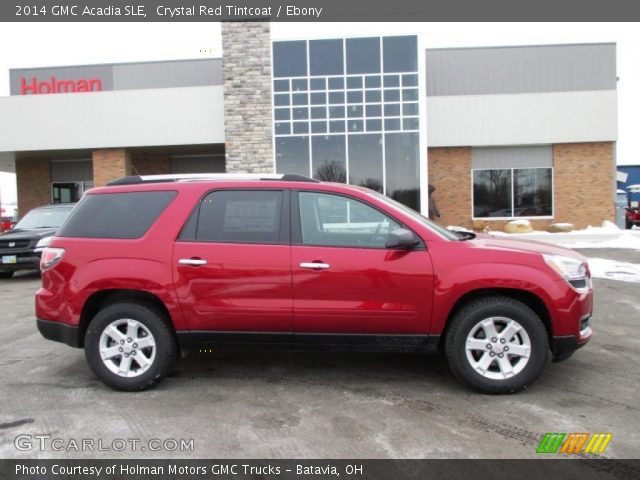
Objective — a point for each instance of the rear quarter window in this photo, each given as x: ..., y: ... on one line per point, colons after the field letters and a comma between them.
x: 116, y: 215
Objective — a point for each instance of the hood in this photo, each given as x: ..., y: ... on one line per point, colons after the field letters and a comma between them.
x: 36, y: 233
x: 522, y: 245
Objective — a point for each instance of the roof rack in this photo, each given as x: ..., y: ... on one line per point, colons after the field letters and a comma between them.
x: 189, y: 177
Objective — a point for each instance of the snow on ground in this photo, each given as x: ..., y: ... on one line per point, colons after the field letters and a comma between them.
x: 614, y: 270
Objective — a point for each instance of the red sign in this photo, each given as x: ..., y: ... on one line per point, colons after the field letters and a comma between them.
x: 53, y: 85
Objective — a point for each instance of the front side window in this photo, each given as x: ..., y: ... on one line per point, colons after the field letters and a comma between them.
x: 513, y: 192
x: 334, y: 220
x: 236, y: 216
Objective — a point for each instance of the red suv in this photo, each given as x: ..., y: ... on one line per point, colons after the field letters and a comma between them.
x: 148, y: 267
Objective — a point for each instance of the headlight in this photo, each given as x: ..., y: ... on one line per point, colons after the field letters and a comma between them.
x: 573, y: 271
x: 42, y: 244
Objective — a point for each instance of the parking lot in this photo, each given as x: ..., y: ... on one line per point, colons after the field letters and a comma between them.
x: 320, y: 405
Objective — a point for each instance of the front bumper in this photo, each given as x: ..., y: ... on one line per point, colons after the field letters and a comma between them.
x: 60, y: 332
x: 25, y: 260
x: 563, y: 346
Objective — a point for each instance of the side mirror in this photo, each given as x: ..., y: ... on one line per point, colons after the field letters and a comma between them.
x: 401, y: 238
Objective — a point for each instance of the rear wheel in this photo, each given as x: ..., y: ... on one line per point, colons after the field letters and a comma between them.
x: 497, y: 345
x: 130, y: 346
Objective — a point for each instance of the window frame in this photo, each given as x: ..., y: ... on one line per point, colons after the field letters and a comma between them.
x: 513, y: 217
x: 285, y: 224
x: 296, y: 222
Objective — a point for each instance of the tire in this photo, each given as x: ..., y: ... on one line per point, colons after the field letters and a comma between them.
x: 513, y: 371
x: 143, y: 366
x: 6, y: 275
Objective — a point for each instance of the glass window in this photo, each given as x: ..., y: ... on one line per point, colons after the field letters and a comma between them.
x: 532, y: 192
x: 492, y: 193
x: 240, y: 217
x: 400, y: 54
x: 281, y: 85
x: 301, y: 127
x: 355, y: 125
x: 374, y: 110
x: 301, y: 113
x: 336, y: 97
x: 410, y: 109
x: 402, y: 170
x: 318, y: 98
x: 391, y: 95
x: 290, y: 59
x: 299, y: 85
x: 410, y: 124
x: 392, y: 110
x: 363, y: 55
x: 318, y: 84
x: 373, y: 96
x: 326, y: 57
x: 281, y: 99
x: 292, y: 154
x: 374, y: 125
x: 372, y: 81
x: 392, y: 124
x: 333, y: 220
x: 318, y: 127
x: 336, y: 112
x: 391, y: 80
x: 318, y: 112
x: 410, y: 80
x: 365, y: 161
x: 300, y: 99
x: 336, y: 83
x: 354, y: 96
x: 354, y: 82
x: 410, y: 95
x: 116, y: 215
x: 282, y: 114
x: 283, y: 128
x: 336, y: 126
x: 355, y: 111
x: 329, y: 158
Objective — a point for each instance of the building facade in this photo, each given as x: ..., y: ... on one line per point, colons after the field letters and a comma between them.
x: 499, y: 133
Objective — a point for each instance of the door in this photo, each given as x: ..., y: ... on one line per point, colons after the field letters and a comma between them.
x: 344, y: 278
x: 232, y: 263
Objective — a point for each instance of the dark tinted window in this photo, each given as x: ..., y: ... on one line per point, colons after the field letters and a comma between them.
x: 363, y: 55
x: 116, y: 215
x: 292, y: 154
x: 400, y: 54
x: 290, y: 59
x: 326, y: 57
x: 240, y: 217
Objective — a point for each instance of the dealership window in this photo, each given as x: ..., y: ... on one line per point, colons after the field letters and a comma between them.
x: 512, y: 182
x: 347, y: 110
x: 70, y: 179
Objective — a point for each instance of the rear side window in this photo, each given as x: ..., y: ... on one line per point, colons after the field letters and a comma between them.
x: 237, y: 216
x: 116, y: 215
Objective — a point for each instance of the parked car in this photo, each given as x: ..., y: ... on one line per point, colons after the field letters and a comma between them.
x: 20, y: 247
x: 149, y: 267
x: 6, y: 223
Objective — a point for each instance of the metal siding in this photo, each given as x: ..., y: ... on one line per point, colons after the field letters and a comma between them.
x: 130, y: 76
x: 126, y: 118
x: 71, y: 170
x: 522, y: 119
x: 553, y: 68
x: 512, y: 157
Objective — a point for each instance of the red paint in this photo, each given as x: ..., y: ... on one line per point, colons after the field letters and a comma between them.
x: 34, y: 86
x: 247, y: 287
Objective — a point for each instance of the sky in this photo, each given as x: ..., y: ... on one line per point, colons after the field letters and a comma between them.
x: 53, y: 44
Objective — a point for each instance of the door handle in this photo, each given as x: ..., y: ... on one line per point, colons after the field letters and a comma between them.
x: 192, y: 261
x: 315, y: 265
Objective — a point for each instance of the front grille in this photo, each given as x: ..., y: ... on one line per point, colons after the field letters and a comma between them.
x: 580, y: 283
x: 14, y: 243
x: 585, y: 323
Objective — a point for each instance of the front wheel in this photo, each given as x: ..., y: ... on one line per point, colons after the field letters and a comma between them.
x: 497, y: 345
x: 130, y: 346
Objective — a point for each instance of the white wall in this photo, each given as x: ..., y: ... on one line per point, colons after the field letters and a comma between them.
x: 128, y: 118
x: 522, y: 119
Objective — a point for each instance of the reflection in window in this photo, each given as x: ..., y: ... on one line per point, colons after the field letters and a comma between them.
x: 329, y: 158
x: 532, y: 192
x: 402, y: 169
x: 492, y: 193
x: 365, y: 161
x: 292, y: 155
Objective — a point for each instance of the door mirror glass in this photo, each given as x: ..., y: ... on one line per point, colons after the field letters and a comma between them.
x: 401, y: 238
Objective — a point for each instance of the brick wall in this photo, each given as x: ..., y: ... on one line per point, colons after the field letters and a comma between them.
x: 450, y: 173
x: 151, y: 165
x: 584, y: 177
x: 584, y: 185
x: 109, y: 164
x: 247, y: 96
x: 33, y: 179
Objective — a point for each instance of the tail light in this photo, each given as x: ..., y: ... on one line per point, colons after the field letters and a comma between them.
x: 50, y: 256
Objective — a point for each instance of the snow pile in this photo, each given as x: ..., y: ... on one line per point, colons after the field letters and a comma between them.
x: 614, y: 270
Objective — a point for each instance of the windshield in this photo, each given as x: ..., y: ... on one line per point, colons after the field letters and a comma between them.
x: 44, y: 218
x: 422, y: 219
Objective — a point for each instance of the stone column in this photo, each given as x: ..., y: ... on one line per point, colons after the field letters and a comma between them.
x: 247, y: 97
